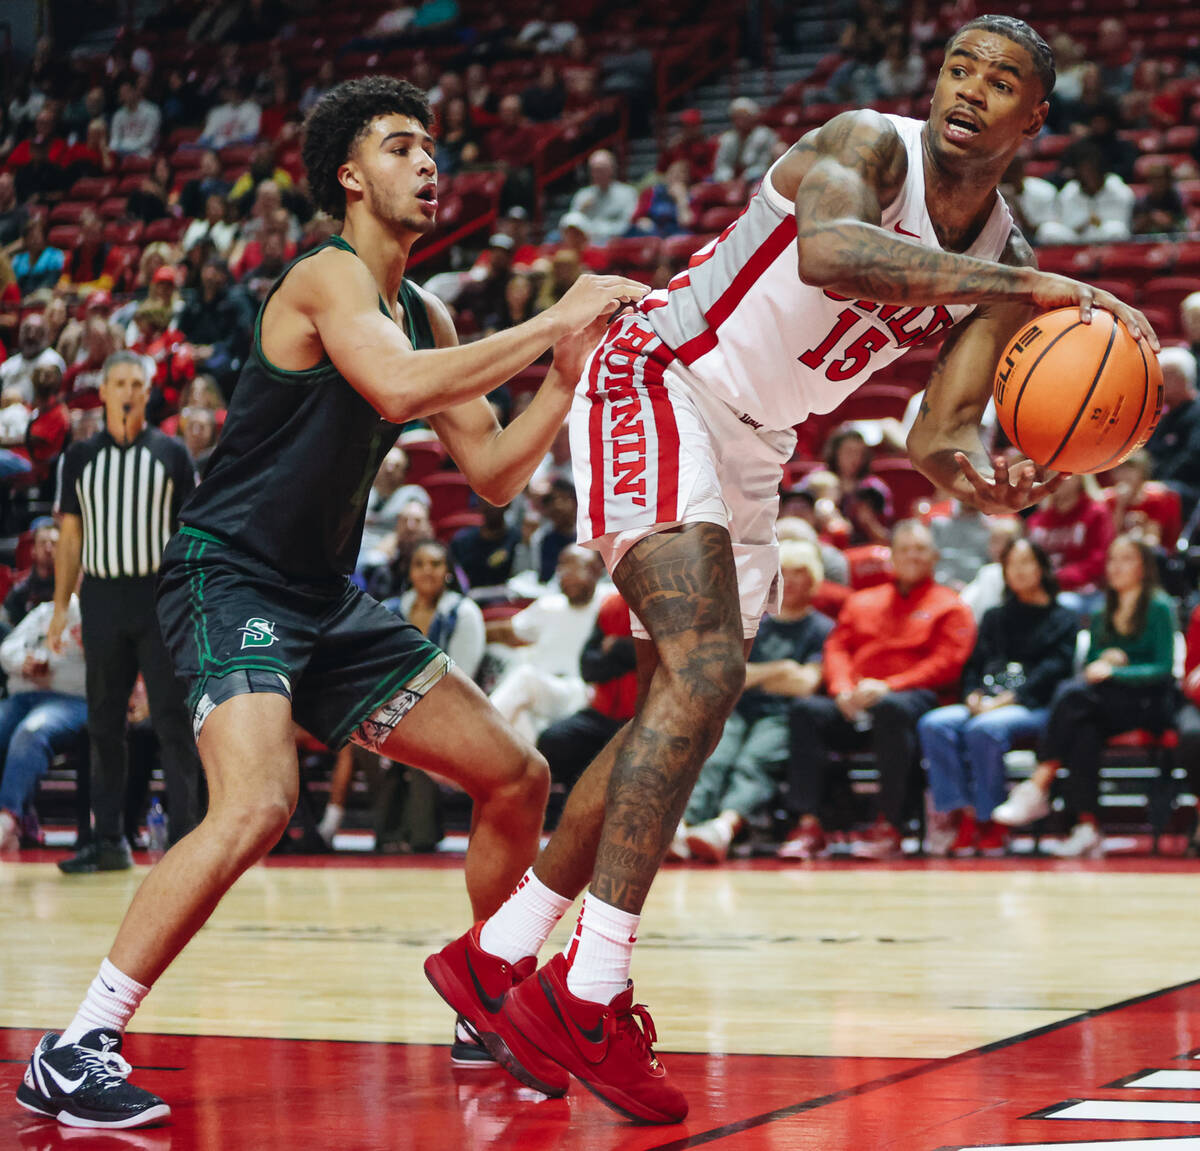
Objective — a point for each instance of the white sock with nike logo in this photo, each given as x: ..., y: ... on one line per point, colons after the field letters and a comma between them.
x: 601, y: 951
x: 111, y: 1001
x: 524, y: 921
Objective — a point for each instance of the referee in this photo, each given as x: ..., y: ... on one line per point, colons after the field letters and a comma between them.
x: 119, y: 494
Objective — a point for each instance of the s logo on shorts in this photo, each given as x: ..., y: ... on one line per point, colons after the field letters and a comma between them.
x: 257, y: 632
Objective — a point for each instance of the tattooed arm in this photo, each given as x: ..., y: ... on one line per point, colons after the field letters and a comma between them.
x: 842, y: 177
x: 944, y: 442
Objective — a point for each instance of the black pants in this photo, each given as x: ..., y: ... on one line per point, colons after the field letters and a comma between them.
x: 1082, y: 717
x: 818, y: 728
x: 570, y: 744
x: 1187, y: 724
x: 121, y: 637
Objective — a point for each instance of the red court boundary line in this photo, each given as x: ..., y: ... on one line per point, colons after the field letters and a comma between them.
x: 807, y: 1105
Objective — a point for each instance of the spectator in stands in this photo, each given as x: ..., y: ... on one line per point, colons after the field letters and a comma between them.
x: 42, y: 180
x: 37, y: 264
x: 82, y: 380
x: 152, y: 199
x: 853, y: 81
x: 517, y: 306
x: 511, y: 145
x: 135, y: 124
x: 1175, y: 444
x: 272, y: 254
x: 235, y: 120
x: 208, y: 181
x: 484, y: 295
x: 575, y: 229
x: 1189, y: 320
x: 45, y: 712
x: 607, y: 665
x: 84, y: 269
x: 557, y: 531
x: 1114, y: 54
x: 218, y: 323
x: 895, y: 648
x: 1096, y: 126
x: 1095, y: 207
x: 692, y: 145
x: 547, y: 34
x: 37, y: 586
x: 565, y: 268
x: 49, y: 423
x: 1031, y: 199
x: 747, y: 149
x: 45, y: 134
x: 247, y: 192
x: 435, y: 606
x: 1025, y: 649
x: 1187, y: 719
x: 268, y: 211
x: 607, y: 204
x: 961, y: 535
x: 13, y: 214
x: 544, y: 100
x: 458, y: 144
x: 1153, y: 101
x: 412, y: 524
x: 987, y: 589
x: 865, y: 500
x: 901, y: 72
x: 33, y: 344
x: 742, y: 774
x: 325, y: 79
x: 212, y: 226
x: 627, y: 70
x: 91, y: 156
x: 181, y: 104
x: 1161, y: 209
x: 544, y: 684
x: 1075, y: 528
x: 1140, y: 507
x: 664, y: 208
x: 1126, y: 684
x: 86, y: 106
x: 486, y: 555
x: 388, y: 496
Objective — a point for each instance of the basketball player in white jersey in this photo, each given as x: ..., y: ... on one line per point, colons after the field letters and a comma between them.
x: 872, y: 234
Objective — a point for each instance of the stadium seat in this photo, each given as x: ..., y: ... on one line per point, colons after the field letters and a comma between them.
x: 123, y: 232
x: 721, y: 194
x: 873, y: 401
x: 449, y: 492
x: 719, y: 218
x: 1131, y: 261
x: 636, y: 253
x: 868, y: 565
x: 65, y: 236
x: 236, y: 156
x: 908, y: 486
x: 1181, y: 138
x: 131, y: 164
x: 527, y: 379
x: 1187, y: 258
x: 68, y: 212
x: 130, y: 182
x: 113, y: 208
x: 425, y: 457
x: 1168, y: 291
x: 794, y: 471
x: 1147, y: 162
x: 679, y: 249
x: 168, y: 228
x: 91, y: 189
x: 447, y: 526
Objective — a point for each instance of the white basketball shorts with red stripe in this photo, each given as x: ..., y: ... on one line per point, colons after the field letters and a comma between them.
x: 651, y: 449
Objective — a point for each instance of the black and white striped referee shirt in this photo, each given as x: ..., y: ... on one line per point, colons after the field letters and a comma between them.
x: 128, y: 498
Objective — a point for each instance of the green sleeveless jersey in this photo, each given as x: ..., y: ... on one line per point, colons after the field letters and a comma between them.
x: 289, y: 479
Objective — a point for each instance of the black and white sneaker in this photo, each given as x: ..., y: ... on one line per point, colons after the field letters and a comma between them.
x: 467, y: 1050
x: 84, y: 1084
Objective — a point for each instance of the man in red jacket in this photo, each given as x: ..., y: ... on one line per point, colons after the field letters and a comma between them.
x: 1187, y: 723
x: 896, y: 650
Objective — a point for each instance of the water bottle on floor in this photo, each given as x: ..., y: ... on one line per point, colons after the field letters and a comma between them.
x: 156, y: 828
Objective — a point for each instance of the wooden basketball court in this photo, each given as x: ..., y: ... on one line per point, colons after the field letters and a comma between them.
x: 840, y: 1007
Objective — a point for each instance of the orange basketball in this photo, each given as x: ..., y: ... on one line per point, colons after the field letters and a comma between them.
x: 1078, y: 397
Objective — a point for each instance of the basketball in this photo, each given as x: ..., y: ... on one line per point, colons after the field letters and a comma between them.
x: 1078, y: 397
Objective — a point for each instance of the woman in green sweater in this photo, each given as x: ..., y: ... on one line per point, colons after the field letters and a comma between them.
x: 1126, y: 684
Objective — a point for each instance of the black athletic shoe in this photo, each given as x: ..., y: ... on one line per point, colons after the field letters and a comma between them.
x: 99, y: 855
x: 466, y: 1050
x: 84, y: 1084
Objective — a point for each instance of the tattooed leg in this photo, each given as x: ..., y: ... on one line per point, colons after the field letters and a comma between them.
x: 683, y: 586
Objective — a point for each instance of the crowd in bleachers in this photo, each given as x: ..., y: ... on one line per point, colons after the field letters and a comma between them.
x: 150, y: 196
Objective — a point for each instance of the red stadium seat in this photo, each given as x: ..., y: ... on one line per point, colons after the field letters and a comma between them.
x: 130, y: 182
x: 169, y: 229
x: 527, y: 379
x: 447, y: 526
x: 113, y: 208
x: 908, y: 486
x: 1148, y: 162
x: 794, y: 471
x: 1181, y: 138
x: 23, y: 555
x: 92, y: 188
x: 873, y: 401
x: 64, y: 236
x: 130, y: 164
x: 868, y: 565
x: 1168, y: 291
x: 425, y: 457
x: 679, y: 249
x: 449, y: 492
x: 718, y: 219
x: 68, y: 212
x: 1131, y: 261
x: 1187, y: 258
x: 637, y: 253
x: 123, y: 232
x: 236, y: 156
x: 1122, y: 289
x: 722, y: 194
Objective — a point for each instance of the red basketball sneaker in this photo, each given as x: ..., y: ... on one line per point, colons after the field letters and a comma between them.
x: 606, y: 1047
x: 475, y: 983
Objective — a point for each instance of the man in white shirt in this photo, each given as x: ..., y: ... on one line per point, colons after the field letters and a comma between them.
x: 16, y: 373
x: 747, y: 149
x: 606, y: 203
x: 1032, y: 200
x: 135, y: 124
x: 547, y: 685
x: 1096, y: 207
x: 236, y: 120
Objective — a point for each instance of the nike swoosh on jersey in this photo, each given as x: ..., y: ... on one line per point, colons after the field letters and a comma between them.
x: 66, y: 1086
x: 906, y: 232
x: 491, y: 1002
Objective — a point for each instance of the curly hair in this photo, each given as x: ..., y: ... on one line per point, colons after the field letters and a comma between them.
x: 1021, y: 33
x: 339, y: 119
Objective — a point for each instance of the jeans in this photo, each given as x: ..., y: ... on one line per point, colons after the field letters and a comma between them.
x: 13, y: 465
x: 34, y: 727
x: 741, y: 774
x: 964, y: 754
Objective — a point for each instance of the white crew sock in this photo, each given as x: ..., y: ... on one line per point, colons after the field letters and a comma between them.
x: 600, y: 951
x: 524, y: 921
x: 111, y: 1001
x: 331, y: 820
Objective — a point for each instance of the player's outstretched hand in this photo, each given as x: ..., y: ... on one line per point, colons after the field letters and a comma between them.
x: 591, y: 297
x: 1011, y: 488
x: 1062, y: 292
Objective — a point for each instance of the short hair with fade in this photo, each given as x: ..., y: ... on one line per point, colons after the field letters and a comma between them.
x: 339, y: 120
x: 124, y: 356
x: 1021, y: 33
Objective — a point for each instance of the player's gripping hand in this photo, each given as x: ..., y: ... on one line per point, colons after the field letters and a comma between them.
x: 593, y: 297
x: 1010, y: 488
x: 1053, y: 291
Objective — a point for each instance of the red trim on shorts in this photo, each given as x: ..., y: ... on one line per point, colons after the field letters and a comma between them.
x: 667, y: 432
x: 764, y: 256
x: 596, y: 441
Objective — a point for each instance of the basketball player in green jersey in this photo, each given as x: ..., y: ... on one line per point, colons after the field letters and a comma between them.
x: 254, y: 600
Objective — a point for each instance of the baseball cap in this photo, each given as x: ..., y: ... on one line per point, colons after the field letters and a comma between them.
x: 691, y: 116
x: 164, y: 275
x: 98, y: 299
x: 500, y: 240
x: 575, y: 220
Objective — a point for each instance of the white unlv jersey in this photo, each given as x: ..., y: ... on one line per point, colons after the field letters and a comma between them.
x: 777, y: 349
